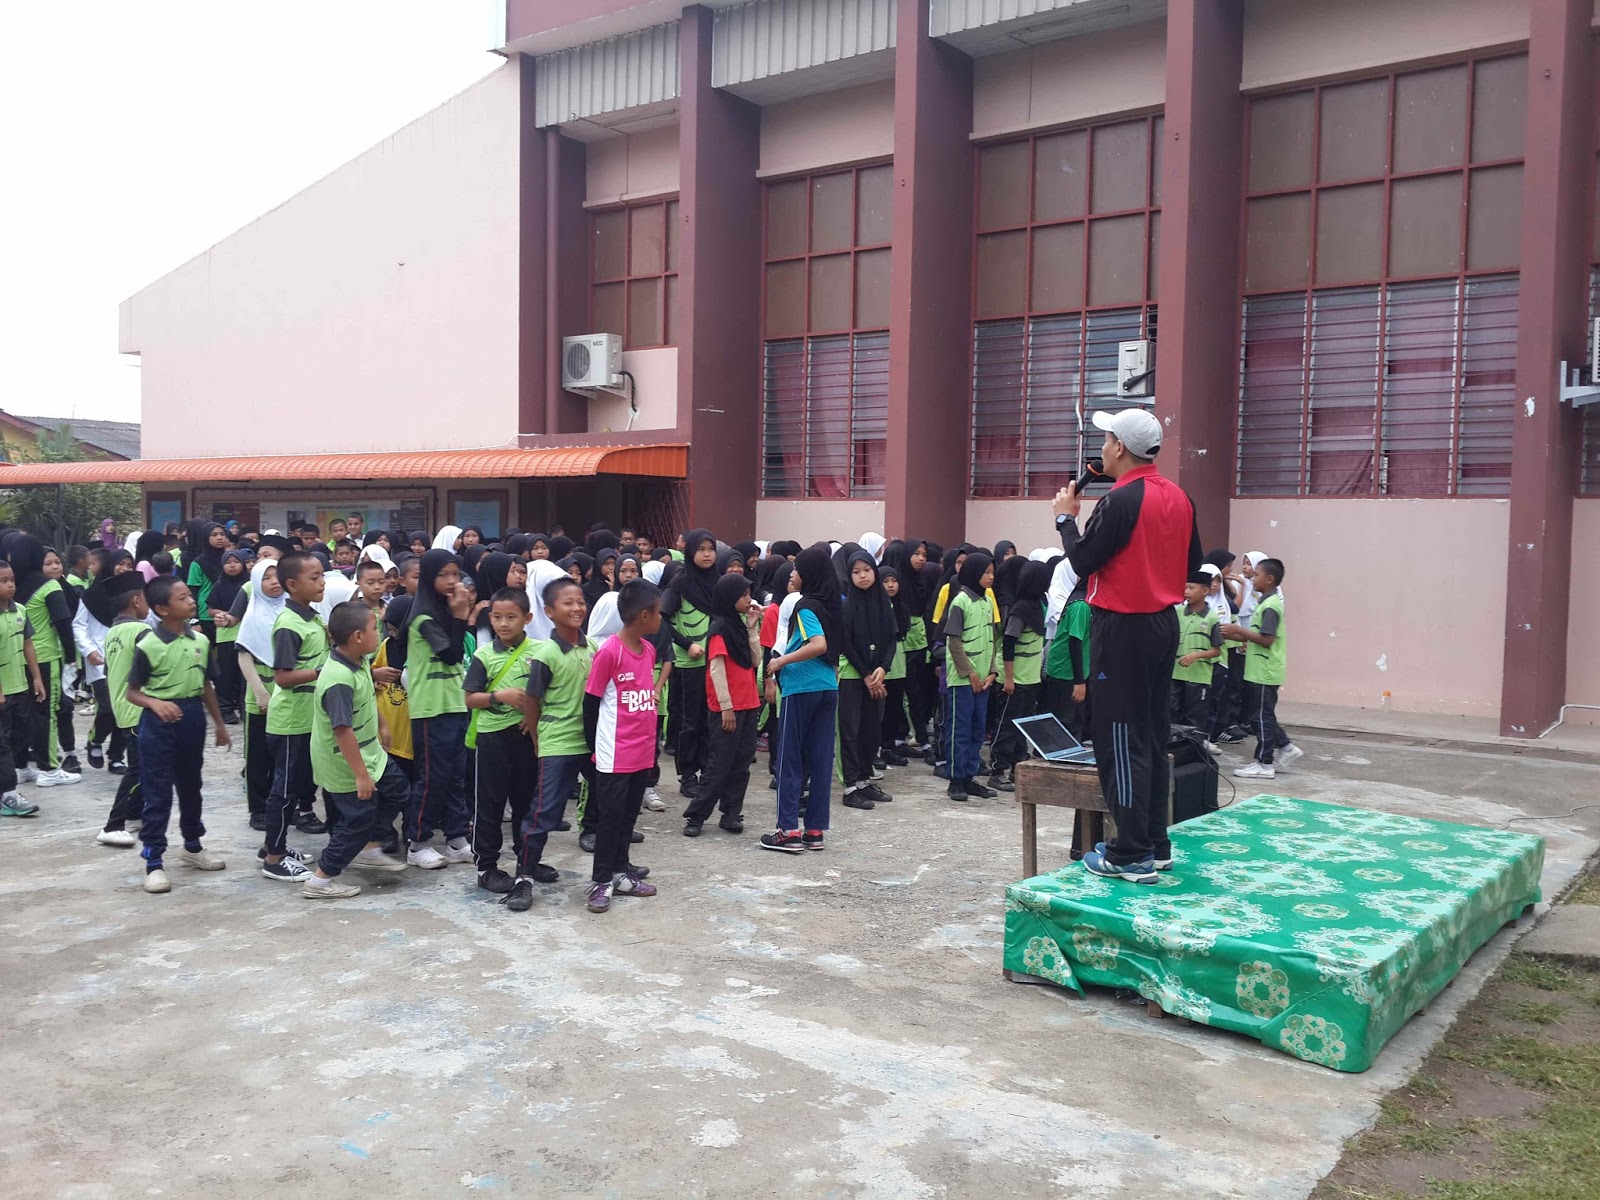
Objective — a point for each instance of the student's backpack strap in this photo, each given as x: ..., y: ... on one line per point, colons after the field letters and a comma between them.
x: 494, y: 686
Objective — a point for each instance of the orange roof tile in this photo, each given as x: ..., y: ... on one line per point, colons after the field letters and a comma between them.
x: 554, y: 462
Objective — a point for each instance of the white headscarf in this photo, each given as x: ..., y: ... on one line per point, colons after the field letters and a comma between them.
x: 1063, y: 582
x: 1216, y: 601
x: 604, y: 620
x: 447, y: 538
x: 255, y: 630
x: 376, y: 553
x: 337, y: 588
x: 652, y: 571
x: 1251, y: 597
x: 132, y: 540
x: 540, y: 572
x: 1042, y: 554
x: 873, y: 544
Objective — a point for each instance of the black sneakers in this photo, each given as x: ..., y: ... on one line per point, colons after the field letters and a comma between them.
x: 813, y: 839
x: 731, y: 824
x: 586, y: 842
x: 978, y: 791
x: 786, y: 841
x: 495, y: 880
x: 544, y: 873
x: 875, y: 793
x: 97, y: 757
x: 691, y: 829
x: 858, y: 798
x: 520, y: 897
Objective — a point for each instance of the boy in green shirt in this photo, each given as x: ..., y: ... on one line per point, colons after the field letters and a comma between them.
x: 1022, y: 659
x: 350, y: 757
x: 1199, y: 646
x: 1265, y: 665
x: 969, y: 632
x: 299, y: 648
x: 552, y: 715
x: 508, y: 770
x: 170, y: 680
x: 126, y: 592
x: 20, y: 684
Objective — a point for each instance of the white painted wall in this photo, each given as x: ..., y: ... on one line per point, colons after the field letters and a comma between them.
x: 807, y: 521
x: 1404, y: 596
x: 378, y: 308
x: 632, y: 167
x: 846, y: 126
x: 655, y: 376
x: 1073, y: 79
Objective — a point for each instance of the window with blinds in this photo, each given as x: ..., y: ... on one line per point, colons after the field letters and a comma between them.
x: 825, y: 388
x: 1382, y: 230
x: 1068, y: 237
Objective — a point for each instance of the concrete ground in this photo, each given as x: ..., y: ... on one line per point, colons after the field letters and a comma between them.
x: 827, y: 1025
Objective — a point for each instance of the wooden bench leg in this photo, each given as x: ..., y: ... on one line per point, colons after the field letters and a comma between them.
x: 1030, y: 840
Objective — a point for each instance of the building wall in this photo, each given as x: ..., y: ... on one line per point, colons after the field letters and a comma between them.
x: 1379, y: 598
x: 634, y: 166
x: 851, y: 125
x: 1583, y: 633
x: 655, y: 376
x: 390, y: 286
x: 1286, y: 40
x: 1075, y: 79
x: 1028, y: 523
x: 808, y: 521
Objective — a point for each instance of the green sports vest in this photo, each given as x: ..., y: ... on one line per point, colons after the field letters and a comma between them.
x: 290, y: 710
x: 694, y: 625
x: 433, y: 688
x: 1194, y: 637
x: 561, y: 708
x: 328, y: 766
x: 119, y: 663
x: 916, y: 635
x: 46, y: 643
x: 1267, y: 664
x: 897, y: 666
x: 1058, y: 659
x: 177, y: 668
x: 977, y: 638
x: 495, y: 661
x: 13, y: 659
x: 1027, y: 660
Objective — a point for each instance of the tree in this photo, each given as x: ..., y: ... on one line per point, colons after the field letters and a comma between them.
x: 63, y: 515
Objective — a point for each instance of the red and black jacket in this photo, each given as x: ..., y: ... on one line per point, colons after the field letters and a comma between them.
x: 1139, y: 546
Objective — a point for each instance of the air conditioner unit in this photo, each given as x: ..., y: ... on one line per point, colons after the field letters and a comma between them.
x: 591, y: 362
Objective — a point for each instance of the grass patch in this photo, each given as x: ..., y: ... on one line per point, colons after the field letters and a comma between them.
x: 1587, y: 891
x: 1522, y: 1119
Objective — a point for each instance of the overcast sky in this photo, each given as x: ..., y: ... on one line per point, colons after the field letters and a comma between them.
x: 139, y: 132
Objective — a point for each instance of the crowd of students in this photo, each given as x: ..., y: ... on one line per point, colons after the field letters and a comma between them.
x: 432, y: 688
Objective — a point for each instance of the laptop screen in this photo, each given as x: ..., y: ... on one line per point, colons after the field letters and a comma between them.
x: 1048, y: 734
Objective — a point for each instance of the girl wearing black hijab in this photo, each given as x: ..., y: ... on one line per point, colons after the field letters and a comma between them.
x: 494, y: 569
x: 894, y: 730
x: 732, y: 642
x: 970, y: 656
x: 49, y: 608
x: 806, y: 673
x: 1022, y: 660
x: 868, y: 651
x: 96, y: 612
x: 909, y: 558
x: 435, y: 638
x: 687, y: 608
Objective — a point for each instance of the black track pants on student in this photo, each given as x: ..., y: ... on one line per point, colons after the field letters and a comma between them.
x: 171, y: 754
x: 257, y: 763
x: 129, y: 804
x: 292, y: 783
x: 727, y: 775
x: 362, y: 821
x: 1261, y: 718
x: 894, y: 728
x: 105, y: 722
x: 617, y: 799
x: 1191, y: 703
x: 1010, y: 747
x: 922, y: 692
x: 686, y: 702
x: 860, y: 731
x: 508, y: 774
x: 1130, y: 672
x: 8, y: 766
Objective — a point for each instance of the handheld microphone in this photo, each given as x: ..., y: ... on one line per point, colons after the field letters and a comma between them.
x: 1094, y: 471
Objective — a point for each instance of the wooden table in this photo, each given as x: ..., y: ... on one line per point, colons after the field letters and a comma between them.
x: 1065, y: 785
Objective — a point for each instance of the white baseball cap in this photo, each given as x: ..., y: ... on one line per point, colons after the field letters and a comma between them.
x: 1135, y: 428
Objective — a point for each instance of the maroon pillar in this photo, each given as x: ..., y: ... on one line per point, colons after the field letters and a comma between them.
x: 1197, y: 347
x: 1556, y: 183
x: 532, y: 365
x: 566, y: 274
x: 930, y: 287
x: 719, y: 293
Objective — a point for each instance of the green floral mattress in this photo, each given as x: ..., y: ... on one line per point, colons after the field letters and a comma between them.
x: 1315, y: 928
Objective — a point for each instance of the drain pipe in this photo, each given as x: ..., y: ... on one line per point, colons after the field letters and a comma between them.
x: 1562, y: 716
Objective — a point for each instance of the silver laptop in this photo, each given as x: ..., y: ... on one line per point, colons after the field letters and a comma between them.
x: 1047, y: 735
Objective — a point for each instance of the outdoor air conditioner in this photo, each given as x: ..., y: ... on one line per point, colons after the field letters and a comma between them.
x: 591, y: 362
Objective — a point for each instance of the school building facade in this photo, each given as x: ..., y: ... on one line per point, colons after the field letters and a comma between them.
x: 873, y: 262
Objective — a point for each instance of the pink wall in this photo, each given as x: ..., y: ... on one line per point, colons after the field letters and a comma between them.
x: 808, y: 521
x: 1073, y: 79
x: 1286, y: 40
x: 381, y: 301
x: 836, y: 127
x: 1028, y: 523
x: 1406, y: 596
x: 1583, y: 636
x: 655, y: 375
x: 625, y: 168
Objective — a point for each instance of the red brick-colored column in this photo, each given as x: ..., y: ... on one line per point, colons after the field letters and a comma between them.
x: 1197, y: 348
x: 719, y: 290
x: 930, y: 286
x: 566, y: 233
x: 1556, y: 186
x: 532, y: 263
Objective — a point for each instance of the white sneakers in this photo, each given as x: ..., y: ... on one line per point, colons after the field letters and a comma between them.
x: 427, y: 858
x: 1212, y: 748
x: 458, y: 854
x: 653, y: 800
x: 1288, y: 756
x: 1255, y: 770
x: 120, y: 838
x: 201, y: 860
x: 156, y: 882
x: 317, y: 888
x: 50, y: 778
x: 26, y: 774
x: 373, y: 859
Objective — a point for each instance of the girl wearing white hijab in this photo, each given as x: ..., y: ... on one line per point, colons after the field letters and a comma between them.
x: 447, y: 538
x: 873, y: 544
x: 254, y: 647
x: 337, y: 588
x: 604, y: 619
x: 1042, y: 554
x: 540, y: 572
x: 653, y: 570
x: 1062, y: 583
x: 376, y: 553
x: 1215, y: 600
